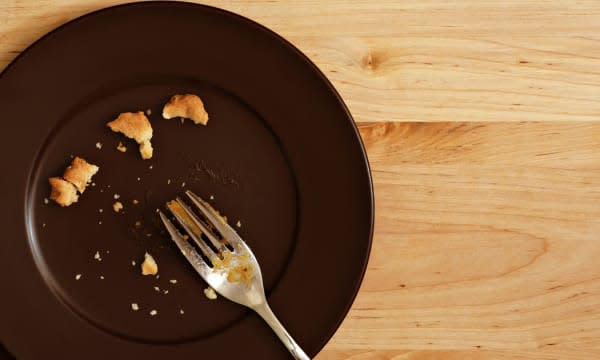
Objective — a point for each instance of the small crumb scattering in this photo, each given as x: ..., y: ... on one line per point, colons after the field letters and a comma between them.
x: 210, y: 293
x: 173, y: 281
x: 165, y: 292
x: 138, y: 224
x: 153, y: 312
x: 239, y: 224
x: 122, y: 148
x: 183, y: 184
x: 78, y: 276
x: 168, y: 181
x: 116, y: 196
x: 46, y: 201
x: 158, y: 276
x: 108, y: 251
x: 99, y: 222
x: 134, y: 307
x: 138, y: 179
x: 43, y: 225
x: 117, y: 206
x: 132, y: 263
x: 212, y: 197
x: 181, y: 311
x: 98, y: 145
x: 135, y: 201
x: 101, y: 277
x: 100, y: 210
x: 93, y: 184
x: 149, y: 112
x: 157, y: 289
x: 151, y: 167
x: 149, y: 266
x: 97, y: 256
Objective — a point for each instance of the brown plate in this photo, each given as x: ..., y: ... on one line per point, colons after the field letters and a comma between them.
x: 280, y: 154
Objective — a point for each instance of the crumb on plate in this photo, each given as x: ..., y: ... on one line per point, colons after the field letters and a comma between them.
x: 117, y: 206
x: 135, y: 126
x: 149, y: 266
x: 80, y: 173
x: 134, y: 307
x: 187, y: 106
x: 210, y: 293
x: 63, y: 192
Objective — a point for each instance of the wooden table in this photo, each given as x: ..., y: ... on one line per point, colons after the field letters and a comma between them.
x: 481, y: 123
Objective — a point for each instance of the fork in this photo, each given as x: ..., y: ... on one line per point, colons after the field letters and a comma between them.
x: 235, y: 273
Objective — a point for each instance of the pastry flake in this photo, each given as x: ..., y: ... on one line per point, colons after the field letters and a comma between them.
x: 187, y: 106
x: 63, y: 192
x: 135, y: 126
x: 80, y: 173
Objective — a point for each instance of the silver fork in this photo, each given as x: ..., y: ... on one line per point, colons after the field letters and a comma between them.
x: 235, y: 273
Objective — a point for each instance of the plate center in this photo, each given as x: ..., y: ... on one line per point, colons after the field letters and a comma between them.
x: 235, y: 161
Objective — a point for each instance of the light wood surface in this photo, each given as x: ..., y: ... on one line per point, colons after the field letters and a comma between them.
x: 481, y: 123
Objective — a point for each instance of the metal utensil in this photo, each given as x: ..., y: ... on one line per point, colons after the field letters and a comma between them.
x: 226, y: 263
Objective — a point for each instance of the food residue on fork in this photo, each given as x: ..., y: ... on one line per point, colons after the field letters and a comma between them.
x: 149, y: 266
x: 178, y: 210
x: 238, y: 267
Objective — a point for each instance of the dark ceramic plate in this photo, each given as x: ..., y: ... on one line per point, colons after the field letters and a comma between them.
x: 280, y: 154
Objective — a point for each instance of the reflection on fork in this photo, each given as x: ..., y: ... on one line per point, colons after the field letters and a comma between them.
x: 226, y: 263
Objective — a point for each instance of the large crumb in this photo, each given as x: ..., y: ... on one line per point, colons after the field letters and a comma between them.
x: 187, y: 106
x: 210, y: 293
x: 149, y: 266
x: 63, y: 192
x: 80, y: 173
x: 135, y: 126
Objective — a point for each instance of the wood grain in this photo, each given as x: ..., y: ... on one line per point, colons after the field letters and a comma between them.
x: 486, y: 247
x: 412, y: 60
x: 479, y: 118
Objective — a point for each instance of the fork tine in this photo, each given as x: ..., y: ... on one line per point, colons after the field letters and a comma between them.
x: 218, y: 244
x: 226, y: 231
x: 206, y: 250
x: 186, y: 249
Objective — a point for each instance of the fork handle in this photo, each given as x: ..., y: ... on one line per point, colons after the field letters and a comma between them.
x: 267, y: 314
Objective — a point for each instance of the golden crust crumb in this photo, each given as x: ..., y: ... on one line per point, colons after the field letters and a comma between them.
x: 135, y: 126
x: 187, y: 106
x: 117, y: 206
x: 149, y: 266
x: 80, y: 173
x: 63, y: 192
